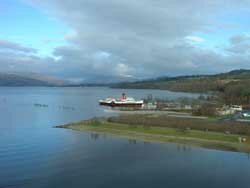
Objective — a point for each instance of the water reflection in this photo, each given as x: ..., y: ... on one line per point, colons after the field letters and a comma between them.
x: 94, y: 136
x: 183, y: 147
x: 33, y: 154
x: 132, y: 141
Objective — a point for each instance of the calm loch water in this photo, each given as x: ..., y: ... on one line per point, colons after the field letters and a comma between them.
x: 34, y: 154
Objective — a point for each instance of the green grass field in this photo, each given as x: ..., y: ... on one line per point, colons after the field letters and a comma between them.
x: 205, y: 139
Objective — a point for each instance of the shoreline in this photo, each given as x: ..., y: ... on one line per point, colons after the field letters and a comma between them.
x: 209, y: 140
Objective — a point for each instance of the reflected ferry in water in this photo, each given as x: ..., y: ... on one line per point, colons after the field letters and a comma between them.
x: 124, y: 101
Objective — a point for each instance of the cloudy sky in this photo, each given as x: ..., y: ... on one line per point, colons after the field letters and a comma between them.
x: 108, y: 40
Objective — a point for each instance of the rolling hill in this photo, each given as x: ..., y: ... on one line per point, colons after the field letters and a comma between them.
x: 194, y: 83
x: 29, y: 79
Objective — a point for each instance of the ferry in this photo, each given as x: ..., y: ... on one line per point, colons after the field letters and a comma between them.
x: 124, y: 101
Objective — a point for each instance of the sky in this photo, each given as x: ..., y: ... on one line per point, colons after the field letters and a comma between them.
x: 116, y: 40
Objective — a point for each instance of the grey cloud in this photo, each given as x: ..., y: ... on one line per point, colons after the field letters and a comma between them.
x: 10, y: 62
x: 145, y: 38
x: 7, y: 45
x: 239, y: 44
x: 239, y: 39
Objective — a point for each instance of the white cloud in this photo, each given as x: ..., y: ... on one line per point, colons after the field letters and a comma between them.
x: 123, y: 70
x: 194, y: 39
x: 71, y: 35
x: 147, y: 38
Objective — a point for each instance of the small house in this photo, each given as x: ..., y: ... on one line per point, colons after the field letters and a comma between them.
x: 225, y: 110
x: 236, y: 108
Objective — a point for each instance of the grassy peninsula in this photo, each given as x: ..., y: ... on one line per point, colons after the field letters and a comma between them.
x: 174, y: 130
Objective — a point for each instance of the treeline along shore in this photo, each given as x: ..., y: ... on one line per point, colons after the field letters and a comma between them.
x: 231, y: 87
x: 207, y: 133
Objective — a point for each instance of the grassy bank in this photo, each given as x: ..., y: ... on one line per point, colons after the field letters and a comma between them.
x: 183, y: 123
x: 206, y: 139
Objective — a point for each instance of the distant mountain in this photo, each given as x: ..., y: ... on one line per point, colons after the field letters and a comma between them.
x: 235, y: 74
x: 190, y: 83
x: 193, y: 83
x: 29, y: 79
